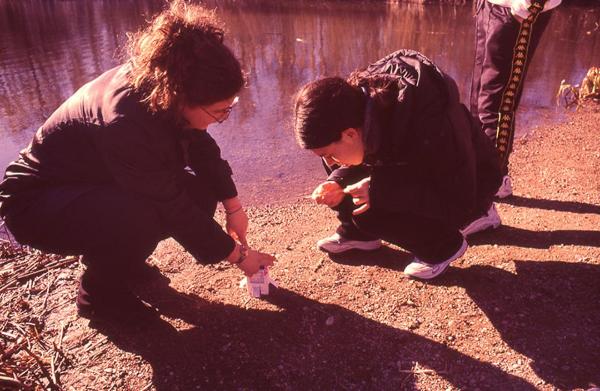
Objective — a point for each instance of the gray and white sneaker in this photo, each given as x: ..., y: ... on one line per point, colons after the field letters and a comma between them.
x: 505, y: 188
x: 490, y: 219
x: 426, y: 271
x: 338, y: 244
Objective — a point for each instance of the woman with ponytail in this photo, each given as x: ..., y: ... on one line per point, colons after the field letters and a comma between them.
x: 405, y: 162
x: 127, y: 162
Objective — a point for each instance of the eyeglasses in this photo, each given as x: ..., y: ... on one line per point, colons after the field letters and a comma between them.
x: 224, y: 113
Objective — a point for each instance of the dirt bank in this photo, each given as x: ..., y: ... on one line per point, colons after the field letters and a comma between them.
x: 519, y: 311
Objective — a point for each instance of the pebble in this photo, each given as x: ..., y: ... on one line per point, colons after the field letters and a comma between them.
x: 329, y: 321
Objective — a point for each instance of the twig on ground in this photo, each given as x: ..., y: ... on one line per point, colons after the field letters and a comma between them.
x: 30, y: 272
x: 50, y: 284
x: 52, y: 384
x: 53, y: 369
x: 10, y: 383
x: 427, y: 371
x: 416, y: 370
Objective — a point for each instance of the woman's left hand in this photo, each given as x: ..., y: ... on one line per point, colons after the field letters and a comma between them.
x: 237, y: 225
x: 360, y: 195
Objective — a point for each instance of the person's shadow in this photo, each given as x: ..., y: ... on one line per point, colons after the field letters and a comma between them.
x: 557, y: 205
x: 386, y: 257
x: 505, y: 235
x: 300, y: 344
x: 549, y: 311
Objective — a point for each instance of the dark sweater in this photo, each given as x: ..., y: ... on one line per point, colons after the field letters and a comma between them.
x: 103, y: 135
x: 425, y: 154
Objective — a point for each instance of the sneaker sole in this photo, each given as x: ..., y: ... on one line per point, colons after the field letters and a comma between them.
x: 492, y: 222
x: 503, y: 195
x: 461, y: 251
x: 480, y: 228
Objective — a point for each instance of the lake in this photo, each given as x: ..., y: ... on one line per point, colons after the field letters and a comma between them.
x: 50, y: 48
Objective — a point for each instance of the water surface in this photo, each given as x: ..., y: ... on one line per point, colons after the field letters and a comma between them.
x: 50, y: 48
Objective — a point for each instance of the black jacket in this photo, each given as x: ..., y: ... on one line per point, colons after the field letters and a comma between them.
x: 426, y: 156
x: 104, y: 135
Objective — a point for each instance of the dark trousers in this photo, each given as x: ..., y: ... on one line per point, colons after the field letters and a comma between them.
x: 432, y: 241
x: 114, y: 230
x: 496, y: 36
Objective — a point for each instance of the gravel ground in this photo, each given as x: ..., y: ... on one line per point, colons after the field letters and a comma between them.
x: 518, y: 312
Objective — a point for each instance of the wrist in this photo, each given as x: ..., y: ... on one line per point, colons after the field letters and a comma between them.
x: 231, y: 211
x: 238, y: 255
x: 231, y: 204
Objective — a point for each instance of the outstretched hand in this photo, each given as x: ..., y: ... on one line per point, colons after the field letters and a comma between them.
x: 254, y: 260
x: 328, y: 193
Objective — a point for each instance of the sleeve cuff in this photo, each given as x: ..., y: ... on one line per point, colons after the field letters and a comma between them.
x: 213, y: 251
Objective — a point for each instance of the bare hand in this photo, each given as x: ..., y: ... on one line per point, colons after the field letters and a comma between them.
x: 237, y: 226
x: 360, y: 195
x: 328, y: 193
x: 254, y: 260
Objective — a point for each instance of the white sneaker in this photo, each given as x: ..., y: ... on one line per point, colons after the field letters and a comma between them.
x: 490, y: 219
x: 505, y: 188
x: 338, y: 244
x: 425, y: 271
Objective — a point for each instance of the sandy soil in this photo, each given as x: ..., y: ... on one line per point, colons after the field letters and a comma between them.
x: 520, y: 311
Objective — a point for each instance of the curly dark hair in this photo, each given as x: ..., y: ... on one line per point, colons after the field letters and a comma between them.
x: 179, y: 59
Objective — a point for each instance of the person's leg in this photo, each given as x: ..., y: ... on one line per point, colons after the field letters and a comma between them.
x: 522, y: 56
x: 432, y: 241
x: 347, y: 228
x: 113, y: 230
x: 348, y: 236
x: 497, y: 32
x: 501, y: 30
x: 481, y: 18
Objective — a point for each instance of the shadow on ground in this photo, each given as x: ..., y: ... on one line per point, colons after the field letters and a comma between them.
x: 289, y: 347
x: 561, y: 206
x: 506, y: 235
x: 548, y: 311
x: 385, y: 257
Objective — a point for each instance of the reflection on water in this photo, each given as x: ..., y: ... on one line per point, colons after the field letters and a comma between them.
x: 50, y: 48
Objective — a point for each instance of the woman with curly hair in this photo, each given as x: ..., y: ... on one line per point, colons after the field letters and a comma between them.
x: 127, y: 162
x: 406, y: 162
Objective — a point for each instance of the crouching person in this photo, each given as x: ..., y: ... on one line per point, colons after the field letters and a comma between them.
x: 127, y: 161
x: 405, y: 162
